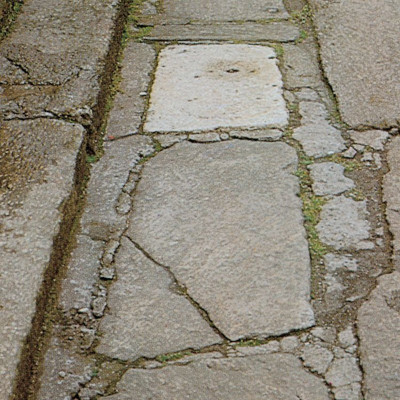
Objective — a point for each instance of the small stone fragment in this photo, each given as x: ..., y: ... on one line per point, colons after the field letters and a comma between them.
x: 378, y: 160
x: 367, y: 157
x: 325, y: 334
x: 124, y: 204
x: 204, y: 137
x: 107, y: 273
x: 316, y: 358
x: 289, y: 344
x: 168, y: 140
x: 347, y: 338
x: 333, y: 285
x: 224, y: 136
x: 373, y: 138
x: 265, y: 134
x: 349, y: 153
x: 329, y: 179
x: 348, y: 392
x: 344, y: 224
x: 98, y: 306
x: 343, y: 371
x: 335, y: 261
x: 109, y: 251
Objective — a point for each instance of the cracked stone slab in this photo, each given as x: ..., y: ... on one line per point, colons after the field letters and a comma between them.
x: 100, y: 220
x: 249, y: 32
x: 223, y: 10
x: 344, y: 224
x: 129, y: 103
x: 226, y: 218
x: 204, y: 87
x: 328, y: 179
x: 37, y: 169
x: 373, y: 138
x: 146, y: 318
x: 352, y: 33
x: 51, y: 62
x: 271, y: 376
x: 391, y: 187
x: 379, y: 333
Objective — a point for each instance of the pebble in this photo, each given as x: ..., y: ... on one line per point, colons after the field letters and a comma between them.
x: 349, y: 153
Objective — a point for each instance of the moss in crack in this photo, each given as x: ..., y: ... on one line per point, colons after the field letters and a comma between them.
x: 349, y: 165
x: 164, y: 358
x: 9, y: 15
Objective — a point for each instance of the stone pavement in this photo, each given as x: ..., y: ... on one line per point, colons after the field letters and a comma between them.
x: 238, y: 235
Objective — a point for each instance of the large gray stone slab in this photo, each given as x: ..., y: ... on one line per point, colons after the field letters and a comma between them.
x: 344, y: 224
x: 360, y: 53
x: 248, y: 31
x: 272, y: 376
x: 129, y: 103
x: 146, y: 318
x: 51, y: 63
x: 379, y: 333
x: 101, y: 219
x: 391, y: 188
x: 37, y: 164
x: 225, y: 217
x: 206, y: 87
x: 223, y: 10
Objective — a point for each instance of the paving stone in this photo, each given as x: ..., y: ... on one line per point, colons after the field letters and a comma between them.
x: 204, y: 138
x: 379, y: 333
x: 348, y: 392
x: 344, y: 224
x: 343, y: 371
x: 277, y: 376
x: 168, y: 140
x: 37, y: 164
x: 391, y: 187
x: 100, y: 219
x: 225, y: 217
x: 335, y: 261
x: 51, y: 61
x: 205, y: 87
x: 289, y: 344
x: 316, y: 358
x: 223, y: 10
x: 347, y: 338
x: 349, y: 153
x: 126, y: 115
x: 265, y: 134
x: 319, y: 140
x: 146, y: 317
x: 247, y: 31
x: 328, y: 179
x: 300, y: 66
x: 82, y: 274
x: 352, y: 33
x: 373, y: 138
x: 325, y: 334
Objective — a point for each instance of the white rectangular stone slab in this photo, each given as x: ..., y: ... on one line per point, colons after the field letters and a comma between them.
x: 226, y: 219
x: 204, y: 87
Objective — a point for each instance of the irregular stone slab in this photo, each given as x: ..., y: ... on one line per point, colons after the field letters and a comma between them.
x: 126, y: 115
x: 391, y: 188
x: 146, y: 318
x: 344, y: 224
x: 328, y: 179
x: 317, y: 358
x: 374, y: 138
x: 319, y: 140
x: 343, y: 371
x: 205, y: 87
x: 52, y: 60
x: 265, y: 134
x: 37, y: 168
x: 271, y: 376
x: 223, y: 10
x: 225, y: 217
x: 379, y: 333
x: 249, y: 32
x: 352, y: 33
x: 100, y: 220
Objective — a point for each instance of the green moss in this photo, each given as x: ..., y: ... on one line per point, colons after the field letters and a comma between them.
x: 249, y: 343
x: 172, y: 357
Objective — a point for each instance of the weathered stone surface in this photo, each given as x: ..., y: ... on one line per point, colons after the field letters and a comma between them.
x: 360, y: 52
x: 224, y: 10
x: 319, y: 140
x: 289, y: 344
x: 328, y: 179
x: 300, y: 66
x: 225, y: 217
x: 37, y: 167
x: 347, y: 338
x: 205, y: 87
x: 205, y: 137
x: 264, y: 134
x: 348, y: 392
x: 374, y: 138
x: 129, y: 103
x: 249, y: 32
x: 51, y: 62
x: 82, y: 274
x: 275, y: 376
x: 317, y: 358
x: 391, y: 188
x: 379, y: 333
x: 169, y: 140
x: 100, y: 219
x: 343, y: 371
x: 334, y: 262
x: 146, y: 318
x: 344, y: 224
